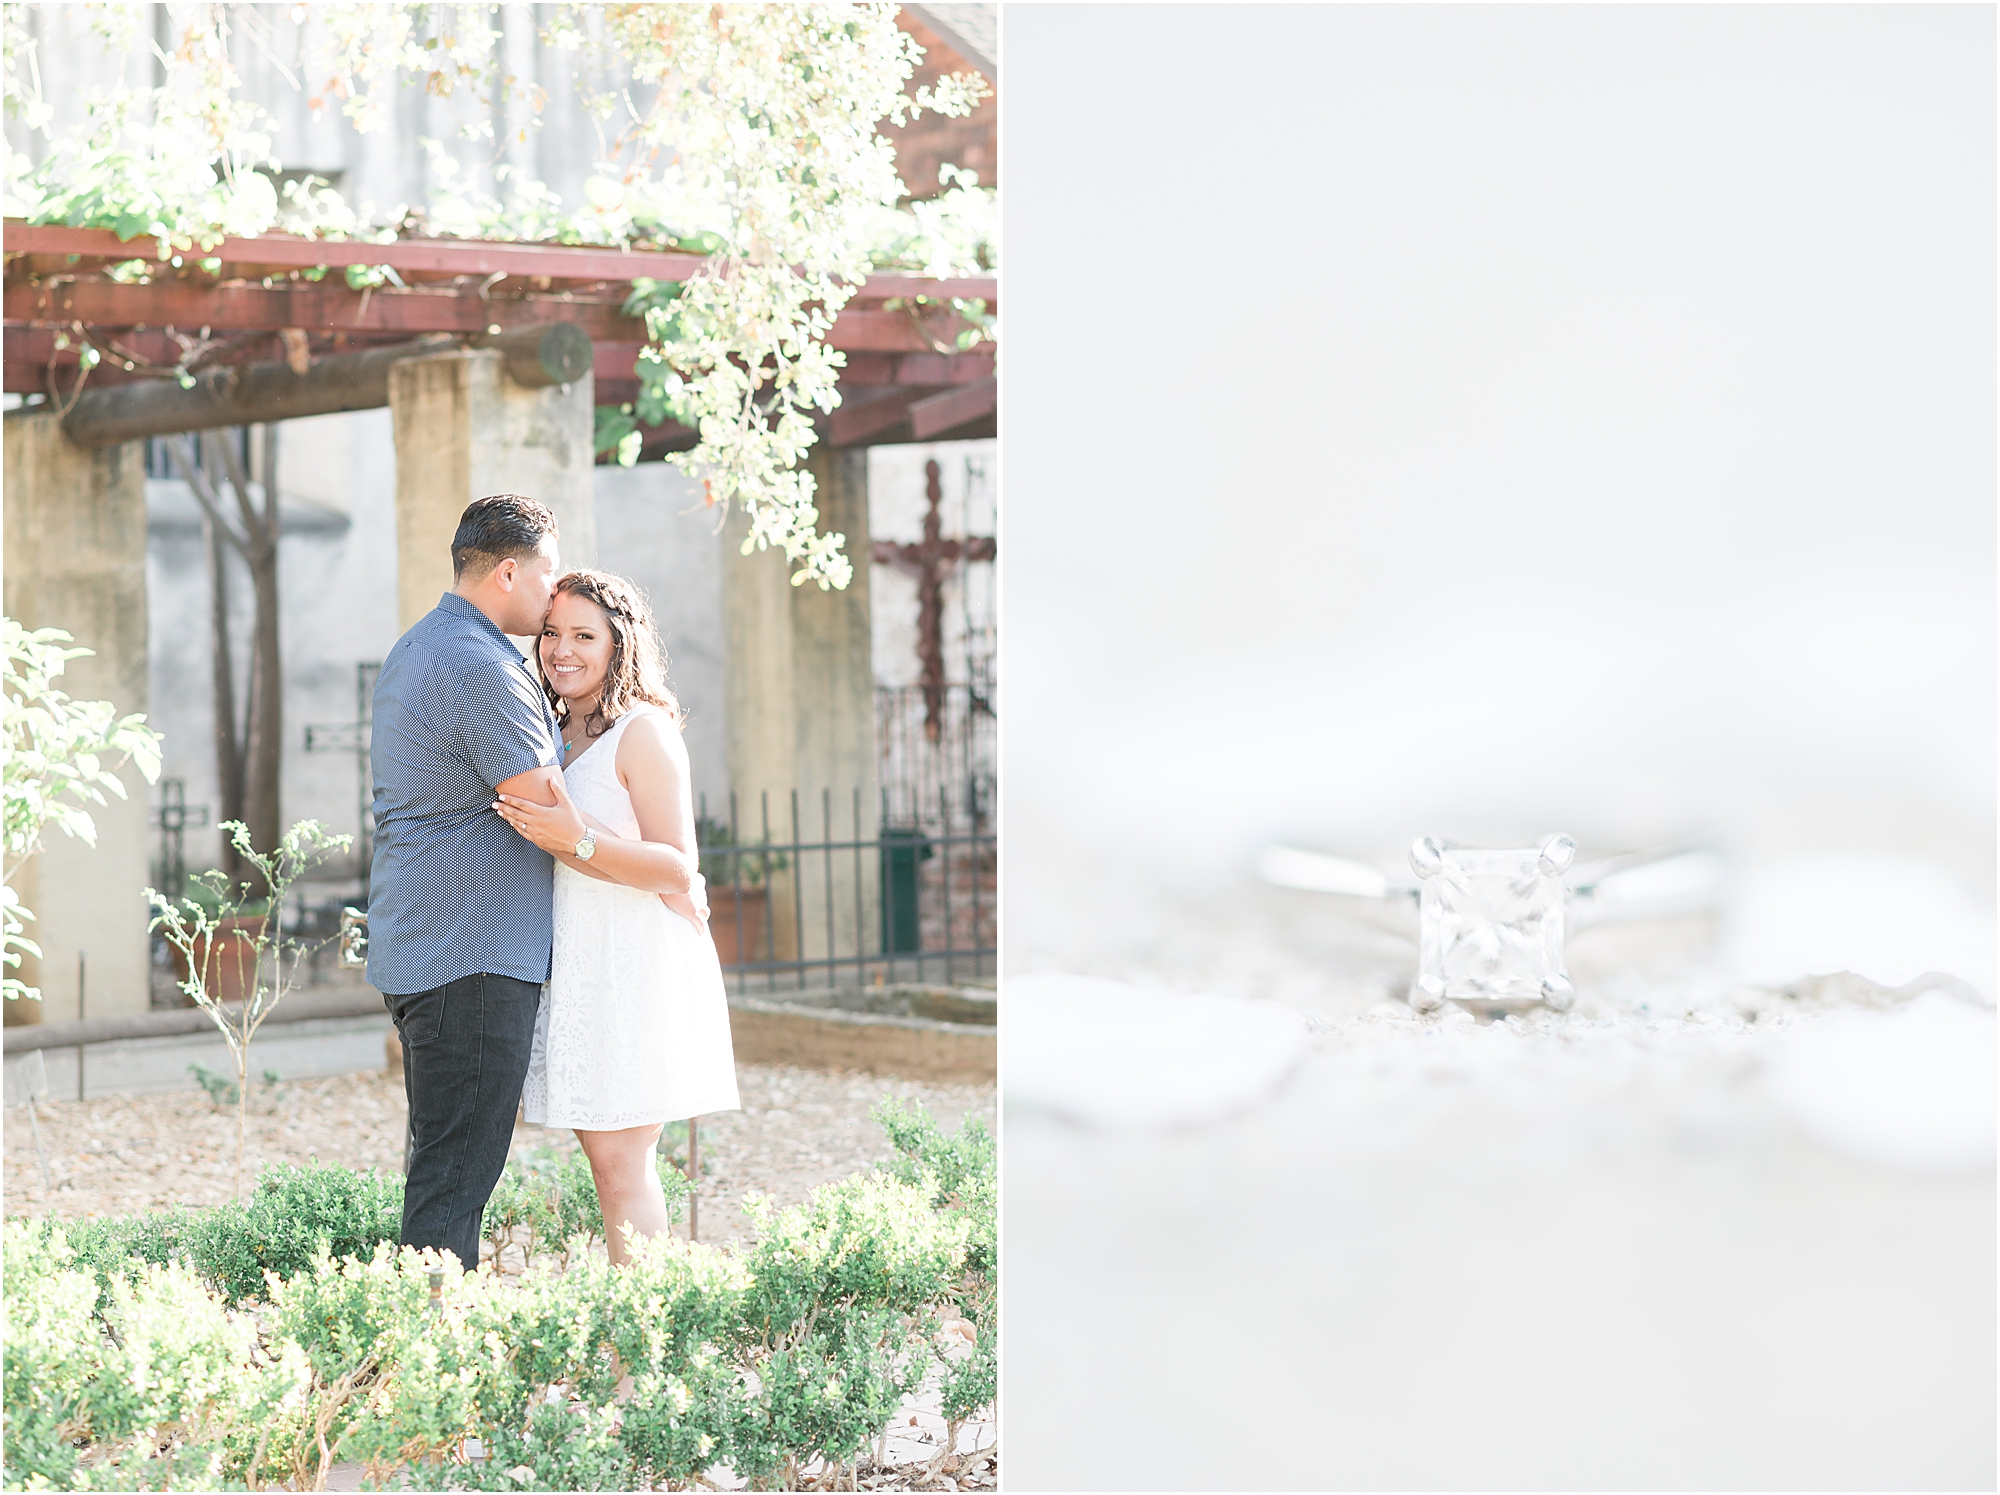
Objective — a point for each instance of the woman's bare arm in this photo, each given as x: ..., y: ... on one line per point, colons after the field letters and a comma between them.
x: 653, y: 767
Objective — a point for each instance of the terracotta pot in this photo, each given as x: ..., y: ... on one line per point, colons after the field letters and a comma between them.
x: 733, y: 909
x: 231, y: 966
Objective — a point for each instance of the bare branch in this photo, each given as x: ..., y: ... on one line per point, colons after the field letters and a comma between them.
x: 182, y: 452
x: 253, y: 522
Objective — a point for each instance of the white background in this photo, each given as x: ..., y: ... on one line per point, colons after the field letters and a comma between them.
x: 1408, y: 404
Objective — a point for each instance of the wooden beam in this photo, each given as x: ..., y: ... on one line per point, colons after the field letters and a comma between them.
x: 936, y: 370
x: 615, y: 363
x: 323, y: 308
x: 104, y: 416
x: 656, y: 442
x: 437, y: 256
x: 236, y: 397
x: 474, y: 257
x: 320, y: 308
x: 858, y: 422
x: 931, y: 417
x: 25, y: 377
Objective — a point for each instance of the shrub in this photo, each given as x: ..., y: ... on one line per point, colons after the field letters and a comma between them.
x: 962, y: 1170
x: 961, y: 1175
x: 832, y: 1281
x: 149, y: 1382
x: 553, y: 1196
x: 116, y: 1248
x: 294, y: 1215
x: 128, y: 1368
x: 54, y: 1349
x: 52, y: 769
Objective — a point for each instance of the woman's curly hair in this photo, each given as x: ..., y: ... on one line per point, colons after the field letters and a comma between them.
x: 638, y: 668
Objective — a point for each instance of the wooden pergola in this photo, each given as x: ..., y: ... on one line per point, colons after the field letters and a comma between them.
x: 268, y: 312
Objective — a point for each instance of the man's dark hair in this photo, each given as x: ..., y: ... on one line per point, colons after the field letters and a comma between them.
x: 495, y: 528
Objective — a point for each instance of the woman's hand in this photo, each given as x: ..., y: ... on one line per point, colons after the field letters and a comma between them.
x: 555, y: 828
x: 691, y: 905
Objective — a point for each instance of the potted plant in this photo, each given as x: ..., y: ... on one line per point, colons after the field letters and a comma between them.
x: 739, y: 893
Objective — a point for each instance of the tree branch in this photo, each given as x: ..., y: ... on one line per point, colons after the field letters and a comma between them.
x: 182, y: 452
x: 253, y: 522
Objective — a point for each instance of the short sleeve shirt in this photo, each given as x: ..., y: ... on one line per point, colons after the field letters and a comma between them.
x: 454, y: 890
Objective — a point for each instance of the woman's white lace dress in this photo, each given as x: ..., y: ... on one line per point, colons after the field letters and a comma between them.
x: 634, y: 1026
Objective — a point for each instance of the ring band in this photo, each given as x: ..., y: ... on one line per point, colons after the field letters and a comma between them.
x: 1490, y: 925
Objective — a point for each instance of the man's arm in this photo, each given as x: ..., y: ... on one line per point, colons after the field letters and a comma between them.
x: 538, y: 785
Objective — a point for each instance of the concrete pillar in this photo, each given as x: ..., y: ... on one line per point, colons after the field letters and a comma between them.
x: 75, y: 559
x: 464, y: 430
x: 801, y: 708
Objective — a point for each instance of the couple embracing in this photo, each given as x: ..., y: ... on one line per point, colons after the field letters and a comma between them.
x: 537, y: 925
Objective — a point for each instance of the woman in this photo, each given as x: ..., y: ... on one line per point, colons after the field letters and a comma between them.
x: 634, y: 1027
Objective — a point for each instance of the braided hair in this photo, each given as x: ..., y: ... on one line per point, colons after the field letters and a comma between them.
x: 638, y: 667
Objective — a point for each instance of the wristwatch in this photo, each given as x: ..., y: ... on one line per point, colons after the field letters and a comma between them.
x: 585, y: 849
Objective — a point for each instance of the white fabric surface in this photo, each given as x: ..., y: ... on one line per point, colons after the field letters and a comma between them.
x: 1698, y: 1233
x: 634, y: 1023
x: 1120, y: 1056
x: 1910, y: 1089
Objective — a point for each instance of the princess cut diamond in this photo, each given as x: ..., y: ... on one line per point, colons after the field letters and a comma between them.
x: 1491, y: 924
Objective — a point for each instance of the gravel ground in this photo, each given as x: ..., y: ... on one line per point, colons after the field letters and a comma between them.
x: 122, y: 1154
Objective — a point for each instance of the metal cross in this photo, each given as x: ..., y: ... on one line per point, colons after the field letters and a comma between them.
x: 930, y: 561
x: 173, y: 816
x: 352, y: 737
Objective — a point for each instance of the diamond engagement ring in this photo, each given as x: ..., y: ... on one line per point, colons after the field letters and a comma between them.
x: 1490, y: 925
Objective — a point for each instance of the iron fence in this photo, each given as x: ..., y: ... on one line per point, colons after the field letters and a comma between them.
x: 935, y: 747
x: 853, y: 899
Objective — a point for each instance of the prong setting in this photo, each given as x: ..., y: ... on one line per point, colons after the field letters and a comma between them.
x: 1426, y: 857
x: 1558, y: 993
x: 1426, y: 994
x: 1557, y: 852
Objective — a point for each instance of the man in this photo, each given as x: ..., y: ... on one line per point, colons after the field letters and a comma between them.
x: 460, y: 906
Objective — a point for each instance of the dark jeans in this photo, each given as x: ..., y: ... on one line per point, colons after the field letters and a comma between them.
x: 465, y: 1054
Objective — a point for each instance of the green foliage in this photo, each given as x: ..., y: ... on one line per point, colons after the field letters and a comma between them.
x: 214, y: 895
x: 870, y: 1239
x: 294, y: 1215
x: 832, y: 1282
x: 552, y: 1195
x: 54, y: 1351
x: 961, y: 1175
x: 221, y: 1089
x: 954, y: 233
x: 53, y: 767
x: 960, y: 1170
x: 132, y: 1363
x: 148, y: 1375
